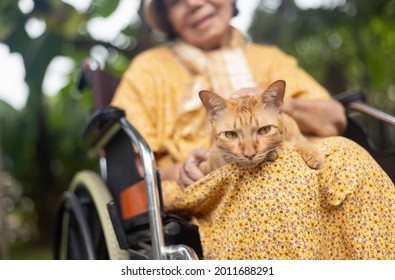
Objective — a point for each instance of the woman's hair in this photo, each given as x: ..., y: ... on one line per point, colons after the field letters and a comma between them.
x: 162, y: 9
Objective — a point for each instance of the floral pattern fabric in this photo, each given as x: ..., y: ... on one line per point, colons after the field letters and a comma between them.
x: 285, y: 210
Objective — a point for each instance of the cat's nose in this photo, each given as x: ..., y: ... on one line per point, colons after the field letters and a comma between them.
x: 250, y: 156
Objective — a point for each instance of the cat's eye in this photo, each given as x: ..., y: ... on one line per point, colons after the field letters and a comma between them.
x: 264, y: 130
x: 230, y: 134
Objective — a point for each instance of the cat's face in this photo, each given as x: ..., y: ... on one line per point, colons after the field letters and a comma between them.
x: 247, y: 130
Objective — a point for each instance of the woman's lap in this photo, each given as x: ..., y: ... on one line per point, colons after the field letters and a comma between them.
x: 285, y: 210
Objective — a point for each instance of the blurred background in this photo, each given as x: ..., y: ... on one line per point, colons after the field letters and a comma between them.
x: 344, y: 44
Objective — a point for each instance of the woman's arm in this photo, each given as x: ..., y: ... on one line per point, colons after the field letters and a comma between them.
x: 318, y: 117
x: 171, y: 172
x: 313, y: 108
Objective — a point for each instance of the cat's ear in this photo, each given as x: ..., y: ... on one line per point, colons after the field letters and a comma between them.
x: 213, y: 103
x: 273, y: 96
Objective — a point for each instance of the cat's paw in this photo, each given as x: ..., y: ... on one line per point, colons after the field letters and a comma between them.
x: 314, y: 158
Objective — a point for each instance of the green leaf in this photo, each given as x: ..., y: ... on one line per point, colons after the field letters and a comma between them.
x: 104, y: 8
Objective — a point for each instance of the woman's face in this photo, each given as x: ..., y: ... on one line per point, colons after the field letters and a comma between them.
x: 202, y: 23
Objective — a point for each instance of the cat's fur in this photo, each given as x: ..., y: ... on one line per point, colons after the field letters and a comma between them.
x: 250, y: 129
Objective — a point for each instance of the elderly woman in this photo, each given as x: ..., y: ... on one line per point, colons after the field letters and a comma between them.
x: 281, y: 209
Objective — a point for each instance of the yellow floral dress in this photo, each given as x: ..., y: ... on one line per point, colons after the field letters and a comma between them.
x: 281, y: 209
x: 285, y: 210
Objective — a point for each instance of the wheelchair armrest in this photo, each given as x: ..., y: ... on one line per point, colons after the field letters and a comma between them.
x: 350, y: 96
x: 356, y: 101
x: 99, y: 124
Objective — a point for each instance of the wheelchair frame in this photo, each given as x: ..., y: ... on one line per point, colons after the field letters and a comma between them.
x: 81, y: 210
x: 115, y: 124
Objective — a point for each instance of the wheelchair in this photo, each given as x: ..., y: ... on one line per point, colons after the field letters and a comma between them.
x: 118, y: 214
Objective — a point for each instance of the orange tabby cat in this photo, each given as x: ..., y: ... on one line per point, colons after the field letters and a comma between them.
x: 250, y: 129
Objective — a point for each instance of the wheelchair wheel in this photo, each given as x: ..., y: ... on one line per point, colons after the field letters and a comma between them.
x: 87, y: 231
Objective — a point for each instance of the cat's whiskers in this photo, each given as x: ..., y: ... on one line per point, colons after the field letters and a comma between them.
x: 229, y: 157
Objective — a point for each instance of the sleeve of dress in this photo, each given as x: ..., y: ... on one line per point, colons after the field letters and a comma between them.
x: 137, y: 95
x: 299, y: 83
x: 274, y: 64
x: 201, y: 197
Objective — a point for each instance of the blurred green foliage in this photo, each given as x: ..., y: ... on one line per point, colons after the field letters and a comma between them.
x: 40, y: 144
x: 344, y: 47
x: 350, y: 46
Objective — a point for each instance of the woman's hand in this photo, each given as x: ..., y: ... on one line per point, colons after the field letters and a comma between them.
x: 318, y: 117
x: 189, y: 171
